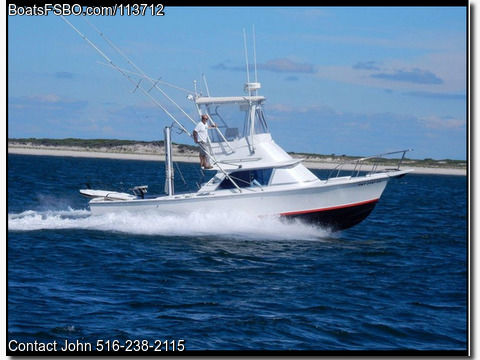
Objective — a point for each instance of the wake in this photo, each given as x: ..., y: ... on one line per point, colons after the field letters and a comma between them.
x: 231, y: 225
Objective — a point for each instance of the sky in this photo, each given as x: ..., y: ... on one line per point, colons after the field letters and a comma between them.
x: 338, y: 80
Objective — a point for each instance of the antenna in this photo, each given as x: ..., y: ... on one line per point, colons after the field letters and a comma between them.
x: 246, y: 63
x: 254, y: 53
x: 206, y: 85
x: 200, y: 72
x: 251, y: 86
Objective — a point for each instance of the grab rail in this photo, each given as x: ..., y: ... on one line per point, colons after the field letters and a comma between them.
x: 358, y: 163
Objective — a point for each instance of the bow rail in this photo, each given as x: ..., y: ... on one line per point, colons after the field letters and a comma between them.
x: 355, y: 166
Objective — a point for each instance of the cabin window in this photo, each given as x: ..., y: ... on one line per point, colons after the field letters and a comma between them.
x: 247, y: 178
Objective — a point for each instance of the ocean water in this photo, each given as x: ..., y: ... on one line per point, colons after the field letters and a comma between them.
x: 396, y: 282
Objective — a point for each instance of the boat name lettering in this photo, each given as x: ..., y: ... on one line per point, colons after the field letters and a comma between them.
x: 369, y: 182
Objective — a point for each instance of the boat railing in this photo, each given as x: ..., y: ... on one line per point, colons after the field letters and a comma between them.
x: 369, y: 165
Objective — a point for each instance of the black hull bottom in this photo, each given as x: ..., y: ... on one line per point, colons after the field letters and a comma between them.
x: 338, y: 218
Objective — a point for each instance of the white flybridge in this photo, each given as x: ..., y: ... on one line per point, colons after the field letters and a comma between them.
x: 253, y: 174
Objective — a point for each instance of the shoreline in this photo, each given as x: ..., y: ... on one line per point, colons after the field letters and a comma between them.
x: 193, y: 157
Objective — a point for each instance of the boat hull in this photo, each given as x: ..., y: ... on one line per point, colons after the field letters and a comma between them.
x: 337, y: 205
x: 337, y: 218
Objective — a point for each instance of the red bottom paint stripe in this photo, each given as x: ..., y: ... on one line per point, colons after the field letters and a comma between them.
x: 330, y: 208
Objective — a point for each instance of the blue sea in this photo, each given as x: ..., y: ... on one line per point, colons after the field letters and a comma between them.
x: 396, y: 282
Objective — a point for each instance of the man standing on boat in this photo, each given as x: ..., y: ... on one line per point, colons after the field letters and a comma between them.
x: 200, y: 136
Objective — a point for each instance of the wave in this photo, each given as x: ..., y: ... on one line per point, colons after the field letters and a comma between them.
x: 232, y: 225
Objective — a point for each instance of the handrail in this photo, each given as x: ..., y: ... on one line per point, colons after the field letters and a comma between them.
x: 360, y: 162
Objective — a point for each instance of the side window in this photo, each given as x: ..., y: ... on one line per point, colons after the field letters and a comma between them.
x: 241, y: 178
x: 247, y: 178
x: 262, y: 176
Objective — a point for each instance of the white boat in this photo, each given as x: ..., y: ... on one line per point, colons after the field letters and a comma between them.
x: 253, y: 174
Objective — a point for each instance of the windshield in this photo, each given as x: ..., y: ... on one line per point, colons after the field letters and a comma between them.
x: 234, y: 120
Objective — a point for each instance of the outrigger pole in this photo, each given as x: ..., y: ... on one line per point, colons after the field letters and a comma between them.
x: 154, y: 84
x: 144, y: 91
x: 157, y: 81
x: 254, y: 56
x: 126, y: 76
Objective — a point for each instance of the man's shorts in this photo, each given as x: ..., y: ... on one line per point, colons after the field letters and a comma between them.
x: 202, y: 148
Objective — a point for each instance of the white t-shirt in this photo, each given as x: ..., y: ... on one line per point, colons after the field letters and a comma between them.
x: 202, y: 131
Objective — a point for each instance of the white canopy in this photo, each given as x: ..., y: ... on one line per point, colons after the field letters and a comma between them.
x: 227, y: 99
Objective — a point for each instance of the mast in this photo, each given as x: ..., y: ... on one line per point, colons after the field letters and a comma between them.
x: 168, y: 161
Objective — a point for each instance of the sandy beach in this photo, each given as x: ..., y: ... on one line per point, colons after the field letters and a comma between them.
x: 193, y: 157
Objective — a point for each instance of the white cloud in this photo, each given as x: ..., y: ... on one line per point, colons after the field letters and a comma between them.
x: 434, y: 122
